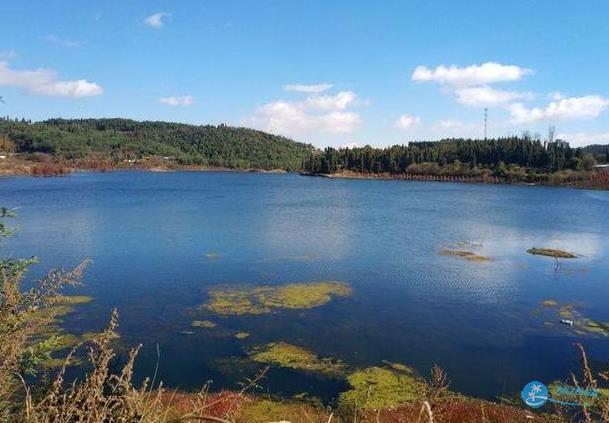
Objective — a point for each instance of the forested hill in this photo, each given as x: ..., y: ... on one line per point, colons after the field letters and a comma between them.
x: 119, y: 140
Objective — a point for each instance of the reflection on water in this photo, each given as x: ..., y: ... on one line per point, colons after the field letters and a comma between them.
x: 161, y: 241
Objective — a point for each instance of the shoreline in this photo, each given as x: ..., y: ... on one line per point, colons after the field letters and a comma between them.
x: 451, y: 179
x: 30, y: 168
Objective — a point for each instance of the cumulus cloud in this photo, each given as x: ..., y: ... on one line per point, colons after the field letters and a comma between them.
x: 45, y: 82
x: 473, y: 75
x: 586, y: 107
x: 338, y: 101
x: 486, y: 96
x: 317, y: 113
x: 185, y: 100
x: 156, y: 20
x: 406, y: 122
x: 309, y: 89
x: 285, y: 117
x: 580, y: 139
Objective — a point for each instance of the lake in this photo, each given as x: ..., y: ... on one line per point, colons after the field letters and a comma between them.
x: 160, y: 241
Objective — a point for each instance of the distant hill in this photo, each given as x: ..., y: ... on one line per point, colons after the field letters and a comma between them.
x: 600, y: 152
x: 119, y: 140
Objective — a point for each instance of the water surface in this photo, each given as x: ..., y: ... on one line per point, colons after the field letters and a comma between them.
x: 159, y: 241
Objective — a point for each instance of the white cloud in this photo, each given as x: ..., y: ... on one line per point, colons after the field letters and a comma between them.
x: 316, y: 113
x: 580, y: 139
x: 471, y: 75
x: 556, y: 95
x: 54, y: 39
x: 156, y: 20
x: 291, y: 118
x: 309, y: 89
x: 350, y: 145
x: 185, y: 100
x: 586, y: 107
x: 8, y: 54
x: 338, y: 101
x: 45, y: 82
x: 486, y: 96
x: 406, y: 122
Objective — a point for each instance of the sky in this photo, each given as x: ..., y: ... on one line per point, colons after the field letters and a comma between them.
x: 331, y: 73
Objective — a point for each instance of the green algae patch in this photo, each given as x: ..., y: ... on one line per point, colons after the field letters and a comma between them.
x: 73, y: 299
x: 551, y: 252
x: 379, y: 387
x: 242, y: 335
x: 212, y: 255
x: 567, y: 311
x: 467, y: 255
x: 291, y: 356
x: 204, y: 324
x: 267, y: 299
x: 549, y: 303
x: 267, y: 411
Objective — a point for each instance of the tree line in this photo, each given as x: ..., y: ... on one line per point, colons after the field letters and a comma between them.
x: 119, y: 140
x: 460, y: 157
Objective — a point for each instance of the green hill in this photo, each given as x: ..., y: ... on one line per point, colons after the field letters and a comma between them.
x: 118, y: 140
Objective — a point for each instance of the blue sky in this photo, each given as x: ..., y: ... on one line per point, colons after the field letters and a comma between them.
x: 326, y: 72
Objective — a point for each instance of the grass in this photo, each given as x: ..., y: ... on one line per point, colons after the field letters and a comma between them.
x: 551, y: 252
x: 268, y: 299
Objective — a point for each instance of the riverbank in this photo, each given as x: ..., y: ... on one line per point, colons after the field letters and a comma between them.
x: 19, y: 166
x: 568, y: 179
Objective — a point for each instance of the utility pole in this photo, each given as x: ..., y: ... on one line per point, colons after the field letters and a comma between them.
x: 485, y: 121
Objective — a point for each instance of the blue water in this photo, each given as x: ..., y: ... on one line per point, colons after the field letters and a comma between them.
x: 149, y: 235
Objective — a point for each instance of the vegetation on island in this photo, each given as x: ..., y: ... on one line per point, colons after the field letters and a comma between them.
x: 268, y: 299
x: 551, y: 252
x: 109, y: 143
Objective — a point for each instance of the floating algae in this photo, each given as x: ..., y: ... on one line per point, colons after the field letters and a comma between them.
x: 267, y: 299
x: 582, y: 325
x: 242, y: 335
x: 204, y: 324
x: 467, y: 255
x: 551, y: 252
x: 291, y: 356
x: 212, y: 255
x: 379, y: 387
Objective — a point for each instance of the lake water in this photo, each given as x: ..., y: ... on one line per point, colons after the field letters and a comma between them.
x: 159, y: 241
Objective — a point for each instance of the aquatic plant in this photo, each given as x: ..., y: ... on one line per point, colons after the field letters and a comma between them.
x: 551, y: 252
x: 382, y: 387
x: 212, y: 255
x: 291, y: 356
x: 204, y: 324
x: 467, y: 255
x: 242, y: 335
x: 549, y: 303
x: 267, y: 299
